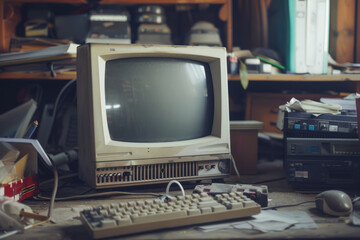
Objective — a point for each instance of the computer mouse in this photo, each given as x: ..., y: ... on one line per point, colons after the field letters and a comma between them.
x: 334, y: 202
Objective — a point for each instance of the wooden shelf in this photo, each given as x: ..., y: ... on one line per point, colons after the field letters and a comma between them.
x: 300, y: 78
x: 252, y: 77
x: 125, y: 1
x: 38, y: 76
x: 163, y: 1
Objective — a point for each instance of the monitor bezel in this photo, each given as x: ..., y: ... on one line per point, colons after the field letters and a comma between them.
x: 107, y: 149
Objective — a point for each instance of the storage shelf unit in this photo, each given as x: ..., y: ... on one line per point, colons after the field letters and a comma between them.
x: 9, y: 18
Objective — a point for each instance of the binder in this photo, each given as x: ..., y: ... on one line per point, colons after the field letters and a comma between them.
x: 300, y: 36
x: 317, y: 38
x: 304, y: 30
x: 309, y: 36
x: 291, y: 56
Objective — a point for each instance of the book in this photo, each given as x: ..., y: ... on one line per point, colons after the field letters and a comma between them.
x: 20, y: 44
x: 41, y: 55
x: 61, y: 65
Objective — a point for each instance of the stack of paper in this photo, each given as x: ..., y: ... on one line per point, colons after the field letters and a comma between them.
x: 46, y: 54
x: 314, y: 107
x: 59, y: 58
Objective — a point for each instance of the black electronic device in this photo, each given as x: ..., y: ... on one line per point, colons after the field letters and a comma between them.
x: 151, y: 25
x: 257, y: 193
x: 323, y: 173
x: 151, y: 18
x: 302, y: 124
x: 154, y: 33
x: 38, y: 21
x: 151, y: 14
x: 321, y: 151
x: 66, y: 29
x: 323, y: 147
x: 322, y: 163
x: 153, y: 9
x: 110, y: 26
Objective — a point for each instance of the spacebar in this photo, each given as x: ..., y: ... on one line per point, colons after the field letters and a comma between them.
x: 159, y: 217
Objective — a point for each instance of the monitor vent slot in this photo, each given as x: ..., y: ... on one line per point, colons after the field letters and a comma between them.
x: 118, y: 175
x: 164, y: 171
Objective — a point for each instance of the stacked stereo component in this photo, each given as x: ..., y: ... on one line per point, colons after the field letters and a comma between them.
x: 109, y: 25
x: 151, y: 25
x: 321, y: 152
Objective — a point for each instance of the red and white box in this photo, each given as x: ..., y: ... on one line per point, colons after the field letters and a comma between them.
x: 21, y: 189
x: 26, y: 184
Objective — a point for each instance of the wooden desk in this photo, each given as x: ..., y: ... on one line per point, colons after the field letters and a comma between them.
x: 280, y: 193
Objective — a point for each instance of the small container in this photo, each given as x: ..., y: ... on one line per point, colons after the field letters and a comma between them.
x: 233, y: 64
x: 244, y: 145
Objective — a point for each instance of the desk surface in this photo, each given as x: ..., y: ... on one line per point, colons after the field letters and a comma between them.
x: 68, y: 225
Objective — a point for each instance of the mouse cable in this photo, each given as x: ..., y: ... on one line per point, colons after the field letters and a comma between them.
x: 265, y: 181
x: 287, y: 205
x: 270, y: 180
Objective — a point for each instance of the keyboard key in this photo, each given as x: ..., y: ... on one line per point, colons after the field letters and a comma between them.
x: 162, y: 216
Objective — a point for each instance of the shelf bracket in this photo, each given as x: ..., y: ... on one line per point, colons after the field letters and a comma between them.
x: 50, y: 65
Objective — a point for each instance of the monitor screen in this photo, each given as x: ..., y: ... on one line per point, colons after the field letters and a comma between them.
x: 158, y: 99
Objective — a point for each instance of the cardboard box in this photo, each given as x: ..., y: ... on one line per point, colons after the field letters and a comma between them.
x: 21, y: 189
x: 244, y: 145
x: 26, y: 184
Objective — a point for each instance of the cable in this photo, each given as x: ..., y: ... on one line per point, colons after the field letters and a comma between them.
x: 179, y: 184
x: 92, y: 195
x: 234, y: 164
x: 43, y: 219
x: 270, y: 180
x: 56, y: 105
x: 52, y: 201
x: 112, y: 193
x: 288, y: 205
x: 59, y: 178
x: 53, y: 195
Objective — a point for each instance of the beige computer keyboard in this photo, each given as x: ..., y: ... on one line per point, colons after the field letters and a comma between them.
x: 121, y: 218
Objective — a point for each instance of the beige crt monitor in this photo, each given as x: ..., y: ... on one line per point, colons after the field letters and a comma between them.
x: 152, y: 113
